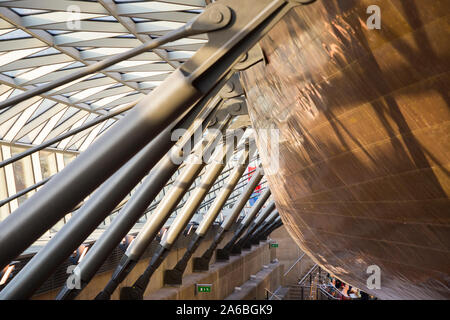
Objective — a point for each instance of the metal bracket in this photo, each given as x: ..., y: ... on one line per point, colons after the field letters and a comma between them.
x: 215, y: 16
x: 250, y: 58
x: 234, y: 106
x: 232, y: 88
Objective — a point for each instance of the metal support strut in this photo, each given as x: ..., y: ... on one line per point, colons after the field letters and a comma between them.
x: 212, y: 172
x: 141, y: 198
x: 174, y: 276
x: 224, y: 253
x: 253, y: 238
x: 202, y: 263
x: 194, y: 165
x: 268, y: 230
x: 260, y: 219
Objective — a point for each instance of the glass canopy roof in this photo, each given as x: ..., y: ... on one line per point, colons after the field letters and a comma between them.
x: 43, y: 40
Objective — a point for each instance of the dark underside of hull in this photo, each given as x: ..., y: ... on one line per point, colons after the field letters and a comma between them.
x: 364, y: 124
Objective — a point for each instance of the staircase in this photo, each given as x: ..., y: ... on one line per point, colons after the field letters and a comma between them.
x: 308, y: 288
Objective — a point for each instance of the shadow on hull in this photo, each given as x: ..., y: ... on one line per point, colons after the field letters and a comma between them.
x: 364, y: 155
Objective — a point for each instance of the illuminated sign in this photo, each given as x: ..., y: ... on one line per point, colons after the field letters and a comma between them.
x: 204, y: 287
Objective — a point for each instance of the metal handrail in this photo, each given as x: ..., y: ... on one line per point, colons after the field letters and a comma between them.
x: 308, y: 273
x: 295, y: 263
x: 273, y: 294
x: 329, y: 294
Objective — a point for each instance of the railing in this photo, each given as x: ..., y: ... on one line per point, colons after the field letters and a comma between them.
x: 308, y: 274
x: 301, y: 292
x: 295, y: 263
x: 333, y: 294
x: 273, y: 294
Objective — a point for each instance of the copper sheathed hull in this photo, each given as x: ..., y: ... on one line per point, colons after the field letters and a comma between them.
x: 364, y: 154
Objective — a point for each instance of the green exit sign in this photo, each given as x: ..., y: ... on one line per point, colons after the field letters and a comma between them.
x: 274, y: 245
x: 204, y: 288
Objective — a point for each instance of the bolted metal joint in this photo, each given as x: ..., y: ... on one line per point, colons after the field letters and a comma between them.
x: 232, y: 107
x: 250, y: 58
x: 215, y: 16
x: 232, y: 88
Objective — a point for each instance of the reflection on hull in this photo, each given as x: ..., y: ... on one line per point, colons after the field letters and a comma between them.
x: 364, y: 149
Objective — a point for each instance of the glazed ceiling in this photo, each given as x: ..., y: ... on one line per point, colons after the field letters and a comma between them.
x: 43, y: 40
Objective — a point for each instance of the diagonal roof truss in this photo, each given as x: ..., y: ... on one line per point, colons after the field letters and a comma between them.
x: 43, y: 40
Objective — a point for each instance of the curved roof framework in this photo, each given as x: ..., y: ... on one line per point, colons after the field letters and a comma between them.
x: 43, y: 40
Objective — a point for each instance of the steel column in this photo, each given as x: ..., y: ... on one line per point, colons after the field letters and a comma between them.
x: 202, y: 263
x: 269, y: 229
x: 95, y: 210
x: 260, y: 219
x: 174, y: 276
x: 252, y: 238
x: 213, y: 171
x: 194, y: 165
x: 224, y: 253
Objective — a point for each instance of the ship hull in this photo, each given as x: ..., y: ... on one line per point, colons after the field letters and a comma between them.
x: 361, y: 177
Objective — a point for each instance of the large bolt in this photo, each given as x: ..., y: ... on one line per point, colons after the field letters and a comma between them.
x: 236, y: 107
x: 229, y: 87
x: 215, y: 15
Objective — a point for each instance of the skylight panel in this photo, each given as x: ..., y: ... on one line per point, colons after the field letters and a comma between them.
x: 100, y: 52
x: 55, y: 17
x: 5, y: 94
x: 96, y: 76
x: 104, y: 101
x: 16, y: 73
x: 69, y: 113
x: 44, y: 106
x: 74, y: 65
x: 140, y: 19
x: 3, y: 31
x: 17, y: 55
x: 155, y: 26
x: 152, y: 6
x: 25, y: 12
x: 45, y: 52
x: 56, y: 32
x: 105, y: 18
x: 82, y: 36
x: 130, y: 36
x: 39, y: 72
x: 88, y: 92
x: 16, y: 34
